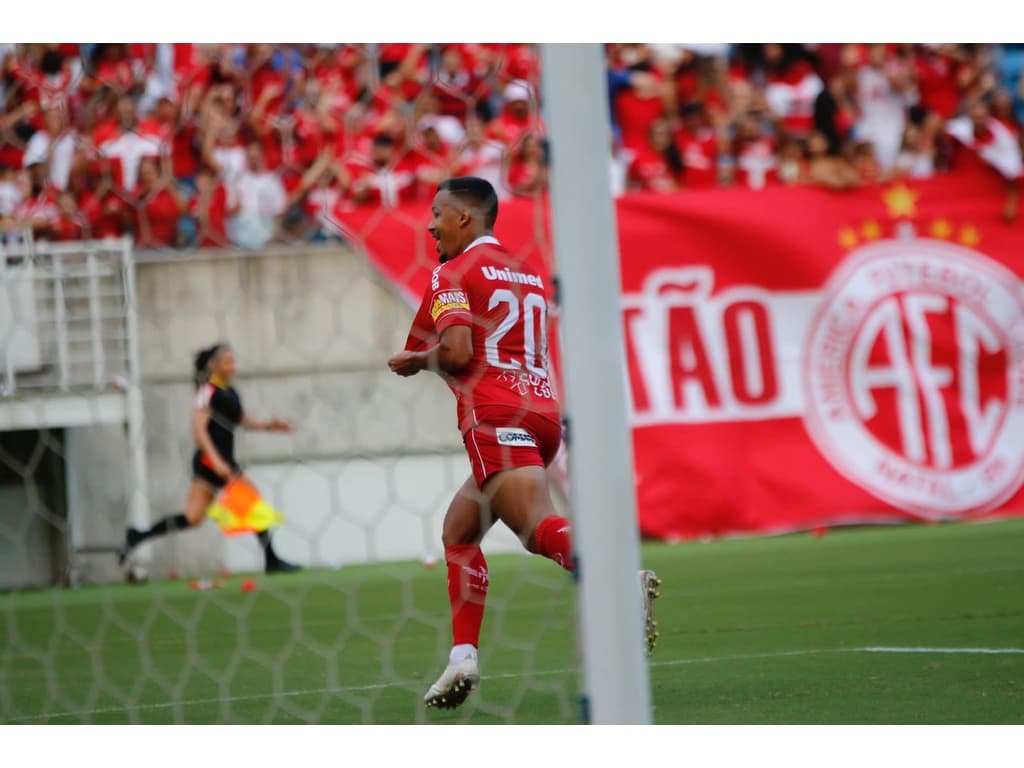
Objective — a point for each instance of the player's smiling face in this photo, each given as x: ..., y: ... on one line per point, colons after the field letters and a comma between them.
x: 447, y: 225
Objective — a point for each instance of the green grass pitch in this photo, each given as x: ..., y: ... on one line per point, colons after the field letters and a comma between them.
x: 865, y: 625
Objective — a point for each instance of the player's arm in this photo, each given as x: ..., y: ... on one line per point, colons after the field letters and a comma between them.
x: 265, y: 425
x: 451, y: 354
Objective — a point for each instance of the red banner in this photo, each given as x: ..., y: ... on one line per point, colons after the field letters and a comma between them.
x: 800, y: 358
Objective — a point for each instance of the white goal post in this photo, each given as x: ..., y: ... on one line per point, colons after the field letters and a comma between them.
x: 613, y: 667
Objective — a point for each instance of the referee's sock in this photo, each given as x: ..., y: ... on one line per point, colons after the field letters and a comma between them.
x: 552, y: 538
x: 169, y: 524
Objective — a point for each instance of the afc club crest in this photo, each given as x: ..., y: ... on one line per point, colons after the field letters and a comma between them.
x: 914, y: 376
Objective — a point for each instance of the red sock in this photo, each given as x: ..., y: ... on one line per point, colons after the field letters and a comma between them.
x: 552, y: 539
x: 467, y: 591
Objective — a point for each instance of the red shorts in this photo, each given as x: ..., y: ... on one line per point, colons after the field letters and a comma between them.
x: 505, y: 438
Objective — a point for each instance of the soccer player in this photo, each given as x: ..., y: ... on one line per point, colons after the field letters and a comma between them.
x: 482, y: 326
x: 216, y: 413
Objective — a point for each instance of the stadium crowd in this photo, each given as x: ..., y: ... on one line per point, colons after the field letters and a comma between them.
x: 184, y: 145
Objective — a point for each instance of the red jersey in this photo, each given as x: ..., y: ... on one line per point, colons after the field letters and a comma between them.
x: 650, y: 170
x: 157, y: 220
x: 699, y: 152
x: 635, y: 114
x: 105, y: 214
x: 508, y: 129
x: 211, y: 215
x: 68, y: 228
x: 503, y: 299
x: 937, y: 83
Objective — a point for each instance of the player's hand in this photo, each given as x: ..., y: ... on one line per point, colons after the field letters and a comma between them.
x: 406, y: 363
x: 278, y: 425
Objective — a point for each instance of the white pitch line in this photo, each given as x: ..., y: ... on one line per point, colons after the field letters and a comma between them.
x: 746, y: 656
x: 508, y: 675
x: 190, y: 702
x: 890, y: 649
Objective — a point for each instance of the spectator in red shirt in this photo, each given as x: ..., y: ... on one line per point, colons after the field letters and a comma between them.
x: 522, y: 62
x: 700, y: 79
x: 266, y: 118
x: 48, y: 81
x: 209, y: 209
x: 340, y: 71
x: 224, y: 88
x: 37, y: 211
x: 527, y: 168
x: 936, y: 69
x: 177, y: 137
x: 403, y: 68
x: 456, y: 85
x: 698, y: 147
x: 687, y: 78
x: 159, y: 206
x: 791, y: 87
x: 313, y: 125
x: 517, y: 117
x: 71, y: 223
x: 657, y: 165
x: 639, y: 105
x: 268, y: 85
x: 108, y: 212
x: 113, y: 66
x: 430, y: 157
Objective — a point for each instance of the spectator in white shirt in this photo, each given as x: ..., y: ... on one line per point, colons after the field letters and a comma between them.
x: 916, y: 159
x: 10, y: 196
x: 260, y: 199
x: 884, y: 88
x: 129, y: 146
x: 54, y: 145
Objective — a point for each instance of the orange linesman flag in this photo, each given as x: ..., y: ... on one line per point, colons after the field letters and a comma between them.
x: 239, y: 508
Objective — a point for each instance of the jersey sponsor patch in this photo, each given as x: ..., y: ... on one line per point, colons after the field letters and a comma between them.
x: 447, y: 301
x: 515, y: 436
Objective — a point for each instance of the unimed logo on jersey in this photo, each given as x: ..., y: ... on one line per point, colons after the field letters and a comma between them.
x: 445, y: 301
x: 914, y: 376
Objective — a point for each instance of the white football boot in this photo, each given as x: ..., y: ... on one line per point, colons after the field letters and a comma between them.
x: 649, y: 583
x: 452, y: 687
